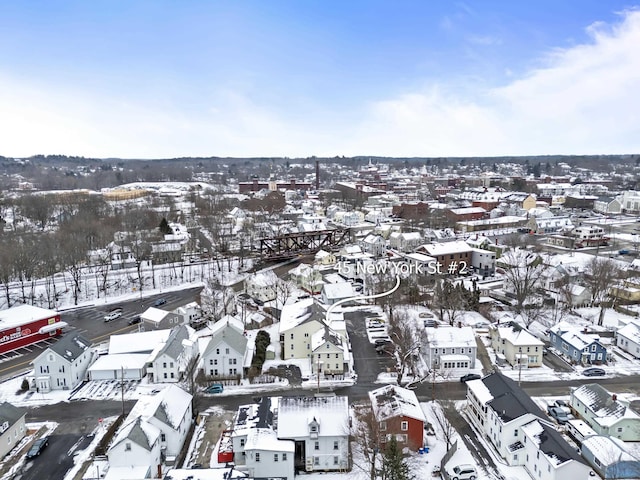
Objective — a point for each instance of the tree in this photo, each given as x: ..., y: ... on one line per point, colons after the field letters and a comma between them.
x: 164, y: 227
x: 523, y: 276
x: 403, y: 333
x: 600, y: 275
x: 442, y: 423
x: 366, y: 435
x: 394, y: 466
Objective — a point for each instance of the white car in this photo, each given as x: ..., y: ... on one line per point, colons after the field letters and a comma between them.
x: 112, y: 315
x: 463, y: 472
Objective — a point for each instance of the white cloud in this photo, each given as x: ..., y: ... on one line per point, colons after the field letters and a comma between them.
x: 585, y: 99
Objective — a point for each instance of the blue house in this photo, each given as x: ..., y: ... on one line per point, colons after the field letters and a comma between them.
x: 576, y: 346
x: 610, y: 458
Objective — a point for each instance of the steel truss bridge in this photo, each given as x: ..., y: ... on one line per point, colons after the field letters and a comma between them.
x: 290, y: 245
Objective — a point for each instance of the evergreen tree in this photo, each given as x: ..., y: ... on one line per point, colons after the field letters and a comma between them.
x: 394, y: 466
x: 164, y: 227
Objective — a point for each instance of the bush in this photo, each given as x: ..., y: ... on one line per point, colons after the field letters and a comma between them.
x: 262, y: 342
x: 25, y: 385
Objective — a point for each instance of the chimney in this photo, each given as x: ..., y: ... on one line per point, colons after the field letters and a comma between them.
x: 614, y: 397
x: 317, y: 174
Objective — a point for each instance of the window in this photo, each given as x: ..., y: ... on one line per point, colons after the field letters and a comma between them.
x: 172, y: 375
x: 284, y: 457
x: 292, y: 336
x: 306, y: 335
x: 404, y: 426
x: 215, y: 362
x: 257, y: 456
x: 227, y: 351
x: 337, y: 355
x: 337, y: 366
x: 335, y: 460
x: 164, y: 364
x: 163, y: 437
x: 316, y: 460
x: 210, y: 362
x: 316, y: 446
x: 328, y: 354
x: 515, y: 432
x: 127, y: 446
x: 165, y: 374
x: 170, y: 364
x: 292, y: 347
x: 242, y: 442
x: 275, y: 457
x: 217, y: 351
x: 335, y: 445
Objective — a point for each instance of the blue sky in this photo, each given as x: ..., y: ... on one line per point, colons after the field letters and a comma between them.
x: 150, y: 79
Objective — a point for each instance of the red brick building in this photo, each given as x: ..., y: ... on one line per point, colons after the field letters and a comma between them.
x: 398, y: 413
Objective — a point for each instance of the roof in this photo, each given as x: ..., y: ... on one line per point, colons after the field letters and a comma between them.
x: 630, y: 331
x: 306, y: 310
x: 607, y: 449
x: 436, y: 249
x: 451, y: 337
x: 10, y: 413
x: 509, y: 401
x: 71, y: 346
x: 518, y: 337
x: 16, y: 316
x: 228, y: 331
x: 138, y: 431
x: 155, y: 315
x: 603, y: 404
x: 295, y: 413
x: 262, y: 279
x: 551, y: 443
x: 338, y: 290
x: 266, y: 439
x: 116, y: 361
x: 392, y: 401
x: 139, y: 342
x: 174, y: 345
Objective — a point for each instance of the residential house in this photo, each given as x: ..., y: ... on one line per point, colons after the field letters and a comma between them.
x: 451, y: 348
x: 606, y: 413
x: 398, y: 413
x: 191, y: 314
x: 225, y: 356
x: 63, y: 365
x: 517, y: 345
x: 158, y: 319
x: 519, y: 431
x: 456, y: 253
x: 325, y: 258
x: 405, y: 241
x: 170, y: 360
x: 319, y: 429
x: 589, y: 236
x: 307, y: 278
x: 374, y: 245
x: 483, y: 261
x: 298, y: 322
x: 329, y: 353
x: 353, y: 262
x: 12, y: 427
x: 628, y: 338
x: 610, y: 458
x: 465, y: 213
x: 334, y: 292
x: 254, y: 443
x: 522, y: 200
x: 547, y: 225
x: 627, y: 293
x: 262, y: 286
x: 153, y: 433
x: 577, y: 346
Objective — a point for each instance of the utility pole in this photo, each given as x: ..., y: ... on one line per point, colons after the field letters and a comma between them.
x: 122, y: 387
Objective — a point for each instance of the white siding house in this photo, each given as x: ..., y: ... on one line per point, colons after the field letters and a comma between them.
x: 224, y: 354
x: 63, y: 365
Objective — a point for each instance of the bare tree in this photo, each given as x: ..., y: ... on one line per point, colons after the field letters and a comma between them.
x: 448, y: 432
x: 449, y: 300
x: 600, y: 275
x: 283, y: 290
x: 402, y: 331
x: 38, y: 208
x: 367, y: 436
x: 523, y: 276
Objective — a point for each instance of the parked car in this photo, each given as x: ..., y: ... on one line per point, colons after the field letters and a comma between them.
x: 37, y: 447
x: 135, y: 320
x: 113, y: 314
x: 463, y: 472
x: 470, y: 376
x: 593, y: 372
x: 558, y: 414
x: 215, y: 388
x: 159, y: 302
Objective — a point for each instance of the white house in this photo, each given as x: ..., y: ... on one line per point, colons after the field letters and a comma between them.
x: 224, y: 355
x: 628, y: 338
x: 374, y: 245
x: 324, y: 258
x: 307, y: 278
x: 158, y: 319
x: 405, y: 241
x: 319, y: 427
x: 451, y: 348
x: 519, y: 431
x: 262, y: 286
x: 63, y: 365
x: 518, y: 346
x: 169, y: 360
x: 334, y: 292
x: 266, y: 456
x: 330, y: 353
x: 153, y: 432
x: 12, y: 427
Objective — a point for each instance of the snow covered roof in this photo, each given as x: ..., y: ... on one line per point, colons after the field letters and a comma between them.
x: 605, y: 407
x: 335, y: 291
x: 71, y: 346
x: 267, y: 439
x: 518, y: 337
x: 17, y: 316
x: 295, y: 413
x: 139, y: 342
x: 262, y: 279
x: 155, y: 315
x: 480, y: 391
x: 442, y: 337
x: 630, y: 331
x: 392, y: 401
x: 306, y: 310
x: 550, y: 443
x: 608, y: 450
x: 137, y: 431
x: 446, y: 248
x: 116, y: 361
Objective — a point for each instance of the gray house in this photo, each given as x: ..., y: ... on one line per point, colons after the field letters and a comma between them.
x: 12, y: 427
x: 224, y: 356
x: 171, y: 359
x: 63, y: 365
x: 610, y: 457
